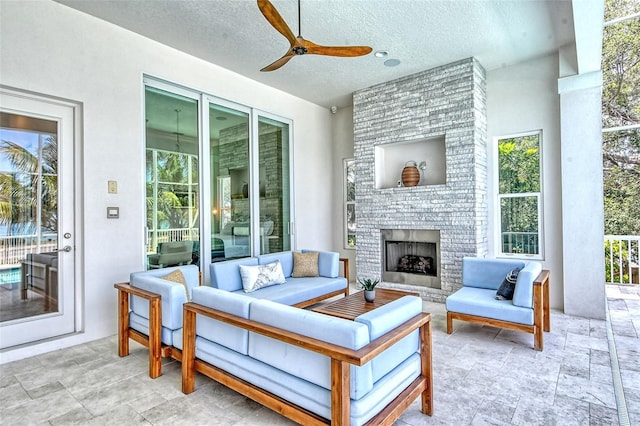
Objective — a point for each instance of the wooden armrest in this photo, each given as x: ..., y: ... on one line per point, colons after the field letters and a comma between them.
x: 128, y: 288
x: 542, y: 278
x: 359, y: 357
x: 153, y: 341
x: 345, y: 267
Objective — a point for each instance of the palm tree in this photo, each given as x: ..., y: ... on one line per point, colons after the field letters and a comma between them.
x: 31, y: 183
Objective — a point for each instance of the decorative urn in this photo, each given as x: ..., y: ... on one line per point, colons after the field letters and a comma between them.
x: 410, y: 174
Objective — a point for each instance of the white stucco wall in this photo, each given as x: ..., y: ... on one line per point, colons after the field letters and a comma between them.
x: 523, y: 98
x: 54, y: 50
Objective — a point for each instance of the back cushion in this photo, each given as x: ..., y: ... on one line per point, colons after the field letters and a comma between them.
x: 328, y: 263
x: 303, y: 363
x: 486, y: 273
x: 285, y: 258
x: 232, y: 337
x: 523, y: 293
x: 172, y: 295
x: 386, y: 318
x: 226, y: 275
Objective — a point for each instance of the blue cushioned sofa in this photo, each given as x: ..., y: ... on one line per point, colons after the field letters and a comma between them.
x: 299, y: 292
x: 310, y: 367
x: 476, y: 300
x: 150, y: 308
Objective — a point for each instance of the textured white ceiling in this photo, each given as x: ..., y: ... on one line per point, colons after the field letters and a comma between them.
x: 422, y: 34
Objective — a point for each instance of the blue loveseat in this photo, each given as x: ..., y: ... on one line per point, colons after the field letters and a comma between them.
x: 476, y: 300
x: 310, y: 367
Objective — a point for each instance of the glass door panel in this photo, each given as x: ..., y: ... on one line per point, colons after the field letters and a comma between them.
x: 172, y: 173
x: 231, y: 187
x: 274, y: 185
x: 37, y: 287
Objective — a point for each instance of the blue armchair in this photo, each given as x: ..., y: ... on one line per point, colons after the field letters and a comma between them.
x: 476, y: 300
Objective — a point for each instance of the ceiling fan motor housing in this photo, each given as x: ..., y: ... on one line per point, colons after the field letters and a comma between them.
x: 300, y: 50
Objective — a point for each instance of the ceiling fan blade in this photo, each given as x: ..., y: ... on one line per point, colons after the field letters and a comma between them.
x: 336, y: 50
x: 280, y: 62
x: 274, y: 18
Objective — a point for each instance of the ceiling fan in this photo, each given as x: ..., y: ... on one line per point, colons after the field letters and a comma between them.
x: 300, y: 46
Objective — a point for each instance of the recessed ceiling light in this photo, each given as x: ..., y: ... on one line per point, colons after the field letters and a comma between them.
x: 392, y: 62
x: 381, y: 54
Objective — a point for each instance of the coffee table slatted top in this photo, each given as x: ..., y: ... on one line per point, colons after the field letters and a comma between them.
x: 354, y: 305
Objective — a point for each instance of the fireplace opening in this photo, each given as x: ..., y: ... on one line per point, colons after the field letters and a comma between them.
x: 411, y: 257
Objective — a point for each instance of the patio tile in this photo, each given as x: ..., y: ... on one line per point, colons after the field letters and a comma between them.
x: 542, y: 412
x: 586, y: 390
x: 602, y: 416
x: 482, y: 376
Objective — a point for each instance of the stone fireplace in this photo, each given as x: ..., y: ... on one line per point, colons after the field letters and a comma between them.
x: 436, y: 118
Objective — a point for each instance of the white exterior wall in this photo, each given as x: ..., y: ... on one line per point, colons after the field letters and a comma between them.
x: 51, y: 49
x: 523, y: 98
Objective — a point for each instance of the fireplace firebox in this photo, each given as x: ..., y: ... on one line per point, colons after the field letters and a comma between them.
x: 411, y: 256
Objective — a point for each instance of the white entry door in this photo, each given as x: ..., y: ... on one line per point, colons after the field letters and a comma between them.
x: 37, y: 224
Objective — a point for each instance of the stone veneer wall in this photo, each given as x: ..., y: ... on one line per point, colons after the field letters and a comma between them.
x: 449, y: 100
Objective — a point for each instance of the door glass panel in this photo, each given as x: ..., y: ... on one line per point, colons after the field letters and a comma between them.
x: 172, y: 173
x: 274, y: 184
x: 28, y: 217
x: 230, y: 183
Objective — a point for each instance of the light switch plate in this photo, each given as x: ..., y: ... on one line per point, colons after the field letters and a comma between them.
x: 113, y: 212
x: 112, y: 186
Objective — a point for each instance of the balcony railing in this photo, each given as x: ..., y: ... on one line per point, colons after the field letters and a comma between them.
x: 621, y: 259
x: 155, y: 236
x: 14, y: 249
x: 520, y: 242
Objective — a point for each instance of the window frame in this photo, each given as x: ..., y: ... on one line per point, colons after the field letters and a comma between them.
x: 346, y: 203
x: 498, y: 233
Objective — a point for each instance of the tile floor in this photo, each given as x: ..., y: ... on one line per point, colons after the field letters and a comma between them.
x: 482, y: 376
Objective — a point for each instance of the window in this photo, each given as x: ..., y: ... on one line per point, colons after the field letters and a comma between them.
x: 349, y: 203
x: 519, y: 195
x: 217, y: 178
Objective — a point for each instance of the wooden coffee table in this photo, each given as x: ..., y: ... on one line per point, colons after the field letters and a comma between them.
x: 354, y: 305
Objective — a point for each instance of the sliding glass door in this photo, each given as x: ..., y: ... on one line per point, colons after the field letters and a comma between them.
x: 172, y: 174
x: 217, y: 179
x: 274, y: 185
x: 231, y: 189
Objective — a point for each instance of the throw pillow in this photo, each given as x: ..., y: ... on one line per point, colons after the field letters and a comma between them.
x: 305, y: 264
x: 506, y: 289
x: 177, y: 277
x: 257, y: 277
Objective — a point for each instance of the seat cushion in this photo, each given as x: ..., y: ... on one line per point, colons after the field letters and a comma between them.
x: 297, y: 290
x: 482, y: 302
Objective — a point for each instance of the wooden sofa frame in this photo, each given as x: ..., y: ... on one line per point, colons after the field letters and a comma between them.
x: 341, y: 358
x: 541, y: 314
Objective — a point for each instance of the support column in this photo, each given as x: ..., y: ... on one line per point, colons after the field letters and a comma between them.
x: 582, y: 195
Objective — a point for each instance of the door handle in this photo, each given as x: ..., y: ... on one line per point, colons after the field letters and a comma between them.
x: 65, y: 249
